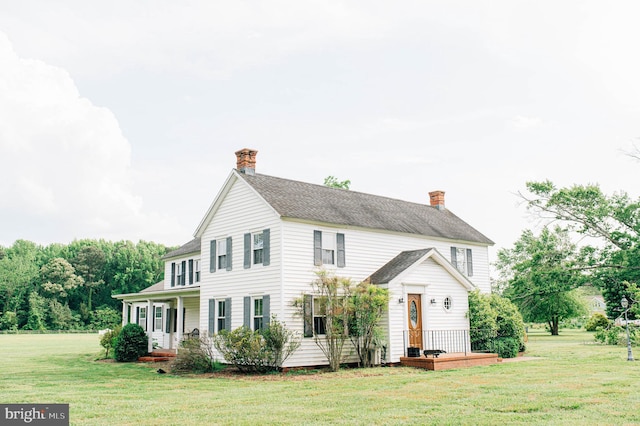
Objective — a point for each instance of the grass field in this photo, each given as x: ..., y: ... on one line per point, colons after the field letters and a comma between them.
x: 574, y: 383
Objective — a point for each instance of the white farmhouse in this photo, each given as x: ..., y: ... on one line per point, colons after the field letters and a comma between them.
x: 263, y: 238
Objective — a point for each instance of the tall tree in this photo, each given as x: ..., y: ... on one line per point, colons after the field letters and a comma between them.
x: 59, y: 278
x: 539, y: 275
x: 612, y: 220
x: 89, y: 265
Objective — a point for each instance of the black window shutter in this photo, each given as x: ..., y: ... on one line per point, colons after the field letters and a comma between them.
x: 454, y: 260
x: 469, y: 263
x: 167, y: 326
x: 247, y: 311
x: 175, y: 320
x: 212, y: 256
x: 212, y: 316
x: 153, y: 318
x: 184, y: 316
x: 317, y: 248
x: 173, y: 274
x: 308, y: 315
x: 229, y: 251
x: 266, y: 247
x: 227, y: 317
x: 184, y: 272
x: 138, y: 315
x: 341, y: 257
x: 266, y: 311
x: 190, y: 271
x: 247, y: 251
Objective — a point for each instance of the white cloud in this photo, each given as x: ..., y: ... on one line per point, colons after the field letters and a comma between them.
x: 63, y: 160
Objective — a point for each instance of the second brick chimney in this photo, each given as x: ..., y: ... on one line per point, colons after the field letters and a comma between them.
x: 246, y: 161
x: 437, y: 199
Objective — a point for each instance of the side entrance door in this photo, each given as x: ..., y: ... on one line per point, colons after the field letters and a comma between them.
x: 415, y: 320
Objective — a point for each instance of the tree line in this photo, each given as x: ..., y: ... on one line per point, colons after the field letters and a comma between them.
x: 69, y: 287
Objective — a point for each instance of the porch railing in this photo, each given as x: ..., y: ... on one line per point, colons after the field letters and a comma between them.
x: 451, y: 341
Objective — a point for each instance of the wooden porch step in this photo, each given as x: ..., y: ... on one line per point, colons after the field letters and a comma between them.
x: 161, y: 355
x: 155, y: 358
x: 171, y: 353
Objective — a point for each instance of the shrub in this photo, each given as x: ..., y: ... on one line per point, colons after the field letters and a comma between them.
x: 507, y: 347
x: 280, y: 342
x: 597, y: 320
x: 108, y: 340
x: 131, y: 343
x: 9, y: 321
x: 195, y: 356
x: 493, y: 319
x: 257, y: 351
x: 244, y: 348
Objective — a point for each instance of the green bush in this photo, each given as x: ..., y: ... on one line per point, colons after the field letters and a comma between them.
x: 597, y: 320
x: 493, y: 318
x: 108, y: 340
x: 244, y: 348
x: 506, y: 347
x: 280, y: 341
x: 257, y: 351
x: 9, y: 321
x: 131, y: 343
x: 195, y: 356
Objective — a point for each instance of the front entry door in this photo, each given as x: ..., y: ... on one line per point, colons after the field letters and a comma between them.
x: 415, y: 320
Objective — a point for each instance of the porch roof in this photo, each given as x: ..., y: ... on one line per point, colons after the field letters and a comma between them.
x: 157, y: 292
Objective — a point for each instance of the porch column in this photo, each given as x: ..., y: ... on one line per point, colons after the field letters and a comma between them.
x: 180, y: 321
x: 150, y: 315
x: 125, y: 311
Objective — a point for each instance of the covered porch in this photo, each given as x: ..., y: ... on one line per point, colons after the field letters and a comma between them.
x: 166, y: 315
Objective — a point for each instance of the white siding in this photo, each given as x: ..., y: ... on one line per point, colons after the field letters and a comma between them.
x: 366, y: 252
x: 240, y: 212
x: 291, y: 270
x: 431, y: 281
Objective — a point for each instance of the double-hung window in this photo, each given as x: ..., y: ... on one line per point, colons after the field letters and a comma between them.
x: 328, y: 249
x: 157, y: 325
x: 222, y: 314
x: 222, y: 254
x: 197, y: 267
x: 257, y: 314
x: 142, y: 318
x: 319, y: 316
x: 179, y: 276
x: 462, y: 259
x: 257, y: 248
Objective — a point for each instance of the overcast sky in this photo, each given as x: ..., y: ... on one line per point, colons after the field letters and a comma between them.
x: 120, y: 119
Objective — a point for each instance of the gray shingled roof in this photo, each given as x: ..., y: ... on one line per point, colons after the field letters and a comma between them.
x: 192, y: 246
x: 396, y: 266
x: 319, y: 203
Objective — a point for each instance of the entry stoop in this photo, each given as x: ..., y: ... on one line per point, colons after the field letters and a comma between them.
x: 450, y: 361
x: 159, y: 356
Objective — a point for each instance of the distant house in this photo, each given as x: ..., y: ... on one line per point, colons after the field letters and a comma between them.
x: 263, y: 237
x: 597, y: 304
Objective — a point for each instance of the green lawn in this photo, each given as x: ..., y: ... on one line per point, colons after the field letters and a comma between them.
x: 575, y: 383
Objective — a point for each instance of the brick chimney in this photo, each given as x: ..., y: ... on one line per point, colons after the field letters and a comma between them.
x: 437, y: 199
x: 246, y: 161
